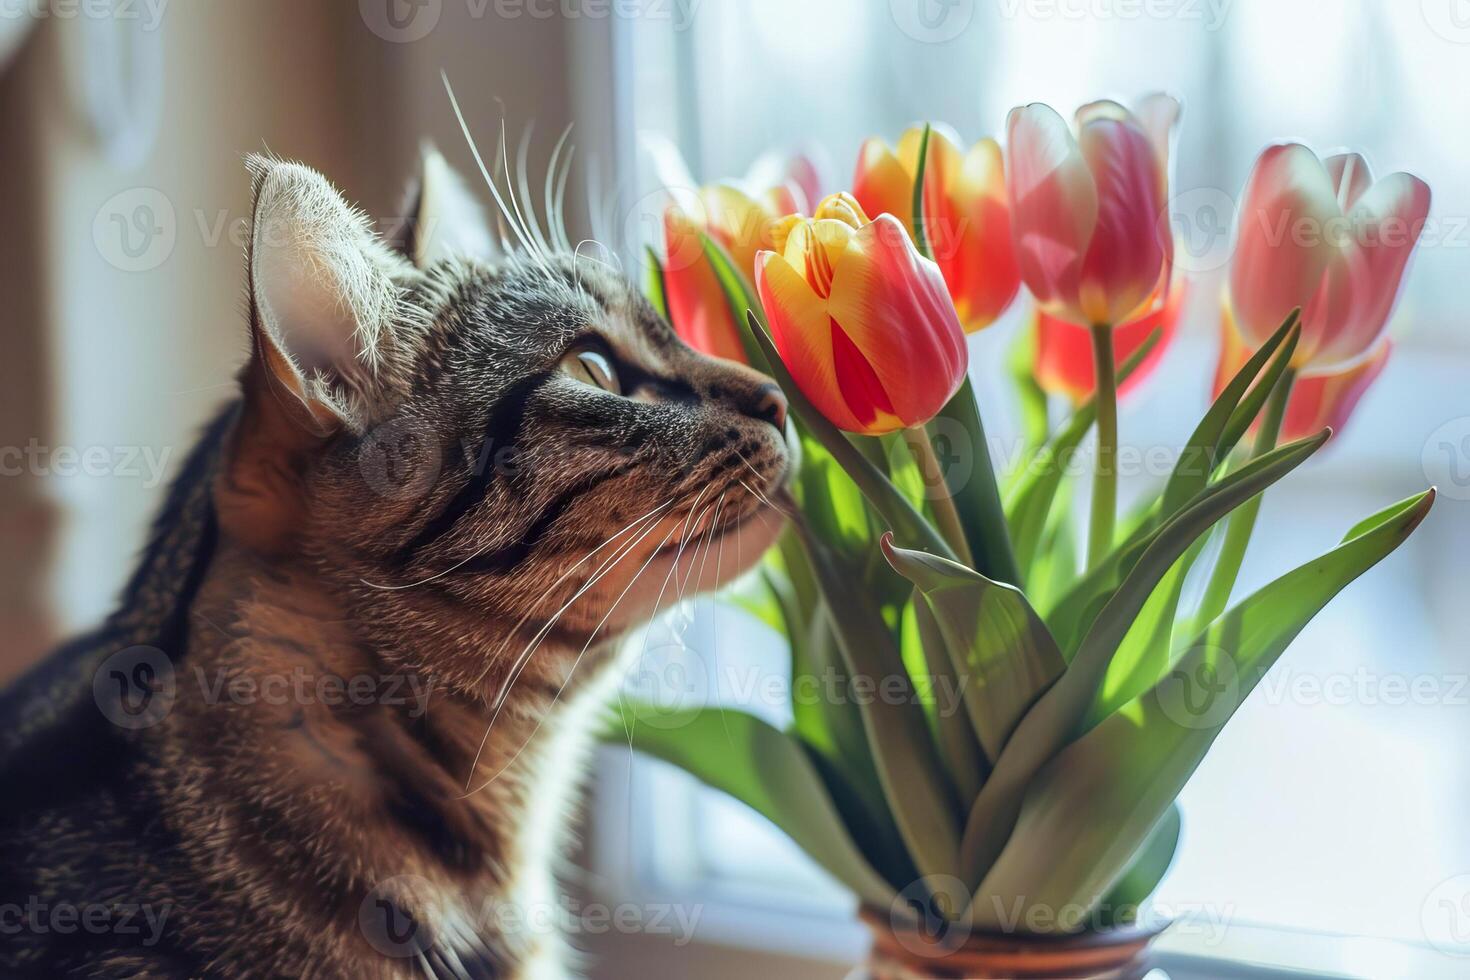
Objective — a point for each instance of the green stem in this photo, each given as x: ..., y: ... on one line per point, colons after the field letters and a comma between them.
x: 1105, y: 476
x: 981, y: 513
x: 938, y: 492
x: 1242, y: 523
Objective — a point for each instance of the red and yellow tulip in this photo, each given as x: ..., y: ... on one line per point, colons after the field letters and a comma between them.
x: 862, y: 321
x: 967, y: 221
x: 739, y: 222
x: 1316, y: 400
x: 1324, y: 236
x: 1064, y: 362
x: 1088, y: 209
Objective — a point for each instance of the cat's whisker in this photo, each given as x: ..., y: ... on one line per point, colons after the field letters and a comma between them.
x: 576, y: 663
x: 552, y: 189
x: 510, y: 214
x: 519, y: 663
x: 523, y: 181
x: 534, y: 606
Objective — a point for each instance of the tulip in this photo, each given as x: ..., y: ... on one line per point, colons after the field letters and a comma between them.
x: 1064, y: 350
x: 1086, y: 209
x: 1087, y: 218
x: 1323, y: 236
x: 1316, y: 400
x: 967, y: 221
x: 739, y: 222
x: 861, y: 320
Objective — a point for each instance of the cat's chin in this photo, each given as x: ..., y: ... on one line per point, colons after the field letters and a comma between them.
x: 705, y: 563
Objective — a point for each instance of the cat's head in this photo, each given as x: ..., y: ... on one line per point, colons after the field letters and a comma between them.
x: 473, y: 449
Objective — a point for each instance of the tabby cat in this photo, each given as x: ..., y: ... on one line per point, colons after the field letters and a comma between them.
x: 338, y: 721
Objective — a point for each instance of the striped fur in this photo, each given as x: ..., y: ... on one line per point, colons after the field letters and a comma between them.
x: 414, y: 496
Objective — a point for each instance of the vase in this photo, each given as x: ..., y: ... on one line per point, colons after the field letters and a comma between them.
x: 903, y: 952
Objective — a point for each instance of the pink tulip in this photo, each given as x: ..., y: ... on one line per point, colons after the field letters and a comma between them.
x: 1088, y: 211
x: 1325, y: 237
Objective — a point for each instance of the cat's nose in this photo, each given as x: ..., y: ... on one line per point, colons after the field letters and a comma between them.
x: 770, y: 406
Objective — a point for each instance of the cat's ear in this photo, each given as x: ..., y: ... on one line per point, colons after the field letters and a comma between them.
x: 442, y: 217
x: 326, y: 355
x: 323, y: 298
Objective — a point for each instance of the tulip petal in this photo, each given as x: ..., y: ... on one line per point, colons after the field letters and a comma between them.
x: 1322, y: 400
x: 1064, y: 363
x: 881, y: 184
x: 1126, y: 256
x: 980, y: 267
x: 698, y: 308
x: 1350, y: 175
x: 896, y: 309
x: 1054, y: 206
x: 1282, y: 244
x: 1384, y: 228
x: 802, y: 332
x: 739, y: 222
x: 1158, y: 114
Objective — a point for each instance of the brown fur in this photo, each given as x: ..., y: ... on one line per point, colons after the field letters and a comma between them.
x: 359, y: 775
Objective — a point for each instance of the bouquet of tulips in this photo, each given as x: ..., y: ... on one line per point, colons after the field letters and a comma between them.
x: 1045, y: 801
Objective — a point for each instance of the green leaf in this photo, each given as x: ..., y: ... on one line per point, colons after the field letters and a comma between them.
x: 1094, y: 805
x: 739, y: 294
x: 963, y: 759
x: 1021, y: 366
x: 921, y: 166
x: 653, y: 283
x: 1035, y: 486
x: 977, y: 500
x: 1147, y: 651
x: 1212, y: 439
x: 908, y: 524
x: 1145, y: 872
x: 766, y: 770
x: 1062, y: 710
x: 908, y: 764
x: 1003, y: 656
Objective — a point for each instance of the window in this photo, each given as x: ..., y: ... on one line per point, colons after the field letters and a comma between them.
x: 1329, y: 804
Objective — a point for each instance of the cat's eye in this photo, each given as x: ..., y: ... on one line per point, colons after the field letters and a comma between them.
x: 592, y: 367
